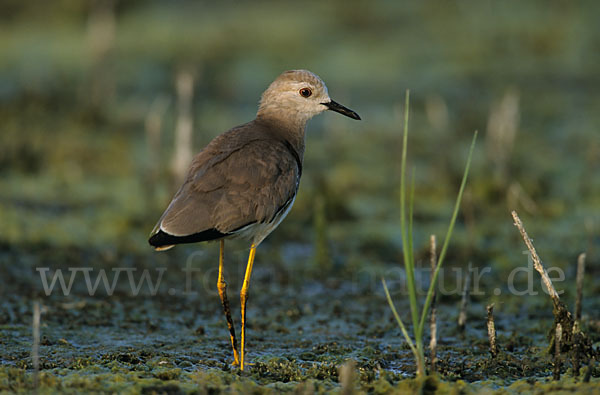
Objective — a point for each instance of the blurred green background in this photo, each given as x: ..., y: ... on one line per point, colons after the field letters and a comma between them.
x: 96, y: 100
x: 89, y: 109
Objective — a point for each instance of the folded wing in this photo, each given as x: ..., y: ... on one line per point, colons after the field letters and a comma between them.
x: 227, y: 190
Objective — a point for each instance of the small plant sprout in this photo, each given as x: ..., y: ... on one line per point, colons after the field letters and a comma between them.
x: 579, y: 284
x: 433, y: 318
x: 419, y: 316
x: 462, y: 315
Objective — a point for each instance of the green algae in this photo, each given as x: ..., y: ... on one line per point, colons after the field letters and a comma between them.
x: 75, y: 192
x: 162, y: 344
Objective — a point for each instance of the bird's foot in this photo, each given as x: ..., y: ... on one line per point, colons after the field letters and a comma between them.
x: 247, y: 365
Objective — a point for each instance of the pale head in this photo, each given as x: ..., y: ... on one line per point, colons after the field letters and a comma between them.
x: 297, y: 96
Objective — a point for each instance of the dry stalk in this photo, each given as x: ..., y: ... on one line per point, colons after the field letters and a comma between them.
x: 516, y: 195
x: 491, y: 327
x: 462, y: 315
x: 347, y: 374
x: 182, y: 155
x: 35, y: 348
x: 577, y: 348
x: 561, y: 314
x: 503, y: 124
x: 579, y: 281
x: 101, y: 40
x: 153, y: 125
x: 537, y: 262
x: 557, y: 344
x: 433, y: 318
x: 572, y: 339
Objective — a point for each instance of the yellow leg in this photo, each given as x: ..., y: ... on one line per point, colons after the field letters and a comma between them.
x: 222, y: 287
x: 244, y: 298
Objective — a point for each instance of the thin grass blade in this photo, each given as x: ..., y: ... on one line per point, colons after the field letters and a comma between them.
x: 419, y: 330
x: 406, y: 233
x: 398, y: 319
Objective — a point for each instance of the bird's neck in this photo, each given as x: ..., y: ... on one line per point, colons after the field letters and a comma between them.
x: 291, y: 129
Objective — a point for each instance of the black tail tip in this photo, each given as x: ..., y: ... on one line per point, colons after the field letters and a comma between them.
x: 160, y: 239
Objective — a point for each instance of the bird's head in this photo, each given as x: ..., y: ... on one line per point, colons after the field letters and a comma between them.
x: 299, y: 94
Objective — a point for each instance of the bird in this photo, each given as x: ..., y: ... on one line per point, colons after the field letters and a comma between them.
x: 245, y: 181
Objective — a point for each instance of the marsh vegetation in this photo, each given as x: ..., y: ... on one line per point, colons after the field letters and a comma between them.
x: 88, y: 116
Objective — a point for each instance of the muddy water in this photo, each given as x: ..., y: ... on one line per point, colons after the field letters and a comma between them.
x: 303, y: 325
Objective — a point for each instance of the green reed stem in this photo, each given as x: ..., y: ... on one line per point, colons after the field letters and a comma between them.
x: 408, y: 250
x: 398, y: 319
x: 446, y: 240
x: 407, y: 235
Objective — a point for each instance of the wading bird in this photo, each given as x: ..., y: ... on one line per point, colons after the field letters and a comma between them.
x: 244, y: 182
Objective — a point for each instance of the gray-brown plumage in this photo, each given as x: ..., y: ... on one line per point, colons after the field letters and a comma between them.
x: 242, y: 179
x: 244, y: 182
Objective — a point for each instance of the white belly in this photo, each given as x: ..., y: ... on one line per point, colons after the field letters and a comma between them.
x: 257, y: 232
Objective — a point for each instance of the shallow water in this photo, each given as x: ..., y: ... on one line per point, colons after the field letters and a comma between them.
x: 82, y: 181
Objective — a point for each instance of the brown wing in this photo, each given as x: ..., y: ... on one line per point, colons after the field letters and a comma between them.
x: 228, y: 189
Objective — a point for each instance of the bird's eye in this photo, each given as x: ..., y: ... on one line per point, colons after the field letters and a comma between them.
x: 305, y: 92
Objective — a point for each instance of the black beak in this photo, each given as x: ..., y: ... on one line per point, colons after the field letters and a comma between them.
x: 333, y: 106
